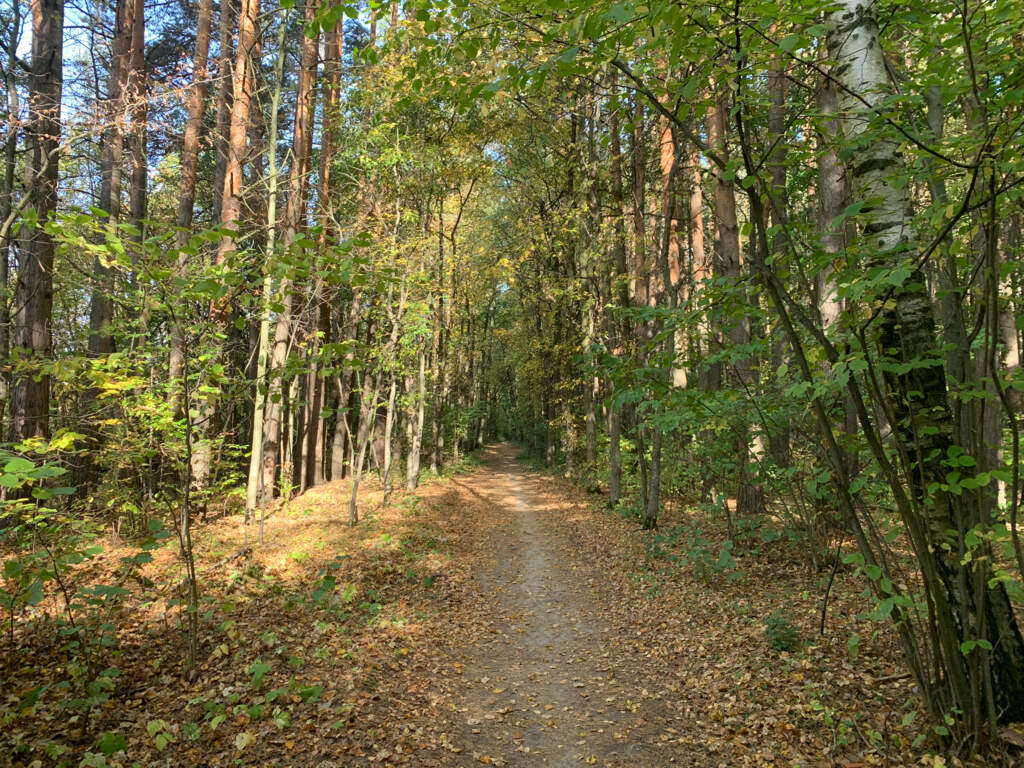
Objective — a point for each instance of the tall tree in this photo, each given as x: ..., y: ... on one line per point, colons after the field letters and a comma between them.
x: 231, y: 218
x: 968, y: 601
x: 294, y: 225
x: 33, y: 299
x: 195, y: 103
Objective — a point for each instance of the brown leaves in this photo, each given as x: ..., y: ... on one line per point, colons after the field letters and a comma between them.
x: 507, y: 621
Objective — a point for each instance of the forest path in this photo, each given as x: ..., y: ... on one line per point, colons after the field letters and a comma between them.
x: 544, y: 681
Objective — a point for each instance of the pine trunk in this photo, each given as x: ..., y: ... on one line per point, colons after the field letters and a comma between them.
x: 33, y: 299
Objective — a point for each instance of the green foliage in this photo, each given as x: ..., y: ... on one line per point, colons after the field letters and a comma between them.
x: 51, y: 543
x: 685, y: 546
x: 631, y: 511
x: 781, y: 634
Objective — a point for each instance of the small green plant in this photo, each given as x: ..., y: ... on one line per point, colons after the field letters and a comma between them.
x: 780, y: 633
x: 633, y: 512
x: 685, y: 546
x: 258, y: 670
x: 161, y: 734
x: 51, y: 544
x: 410, y: 504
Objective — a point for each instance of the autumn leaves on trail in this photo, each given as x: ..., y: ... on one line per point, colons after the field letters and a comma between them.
x: 499, y: 616
x: 542, y: 683
x: 567, y: 645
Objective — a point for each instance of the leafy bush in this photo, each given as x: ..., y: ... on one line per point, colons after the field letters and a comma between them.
x: 781, y: 634
x: 685, y: 546
x: 51, y: 543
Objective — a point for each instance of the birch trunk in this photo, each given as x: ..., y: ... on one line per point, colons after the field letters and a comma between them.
x: 968, y: 602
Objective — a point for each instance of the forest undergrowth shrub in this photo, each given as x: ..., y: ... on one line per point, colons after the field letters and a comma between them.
x: 686, y: 547
x: 47, y: 586
x: 631, y: 511
x: 780, y: 633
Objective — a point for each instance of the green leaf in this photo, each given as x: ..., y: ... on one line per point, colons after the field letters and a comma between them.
x: 49, y: 470
x: 790, y: 43
x: 19, y: 466
x: 110, y: 743
x: 569, y: 54
x: 853, y: 645
x: 883, y: 610
x: 619, y: 13
x: 258, y: 670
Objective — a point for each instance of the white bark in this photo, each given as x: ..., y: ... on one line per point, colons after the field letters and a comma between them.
x: 859, y: 69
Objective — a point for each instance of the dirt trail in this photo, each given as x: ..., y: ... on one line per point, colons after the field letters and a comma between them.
x: 541, y: 687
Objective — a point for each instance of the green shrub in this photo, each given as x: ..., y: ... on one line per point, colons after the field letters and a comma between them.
x: 781, y: 634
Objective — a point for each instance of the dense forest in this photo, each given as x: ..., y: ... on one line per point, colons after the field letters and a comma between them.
x: 752, y: 266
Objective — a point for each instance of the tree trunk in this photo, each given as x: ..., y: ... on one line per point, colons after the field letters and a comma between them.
x: 187, y: 188
x: 342, y: 425
x: 294, y: 222
x: 334, y: 45
x: 136, y: 97
x: 619, y: 289
x: 778, y: 429
x: 415, y: 420
x: 968, y: 603
x: 7, y: 203
x: 230, y: 217
x: 389, y: 426
x: 101, y: 308
x: 33, y: 299
x: 257, y: 486
x: 749, y: 497
x: 614, y: 454
x: 367, y: 408
x: 225, y: 55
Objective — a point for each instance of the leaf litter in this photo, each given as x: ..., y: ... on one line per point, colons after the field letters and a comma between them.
x: 496, y: 617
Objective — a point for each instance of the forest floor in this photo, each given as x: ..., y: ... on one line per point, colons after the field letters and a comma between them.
x: 495, y: 617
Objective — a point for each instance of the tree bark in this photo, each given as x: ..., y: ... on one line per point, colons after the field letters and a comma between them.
x: 230, y: 217
x: 968, y: 602
x: 6, y: 203
x: 294, y: 223
x: 619, y: 289
x: 187, y: 188
x: 257, y: 486
x: 728, y: 266
x: 33, y: 299
x: 136, y: 98
x: 415, y: 421
x: 225, y: 56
